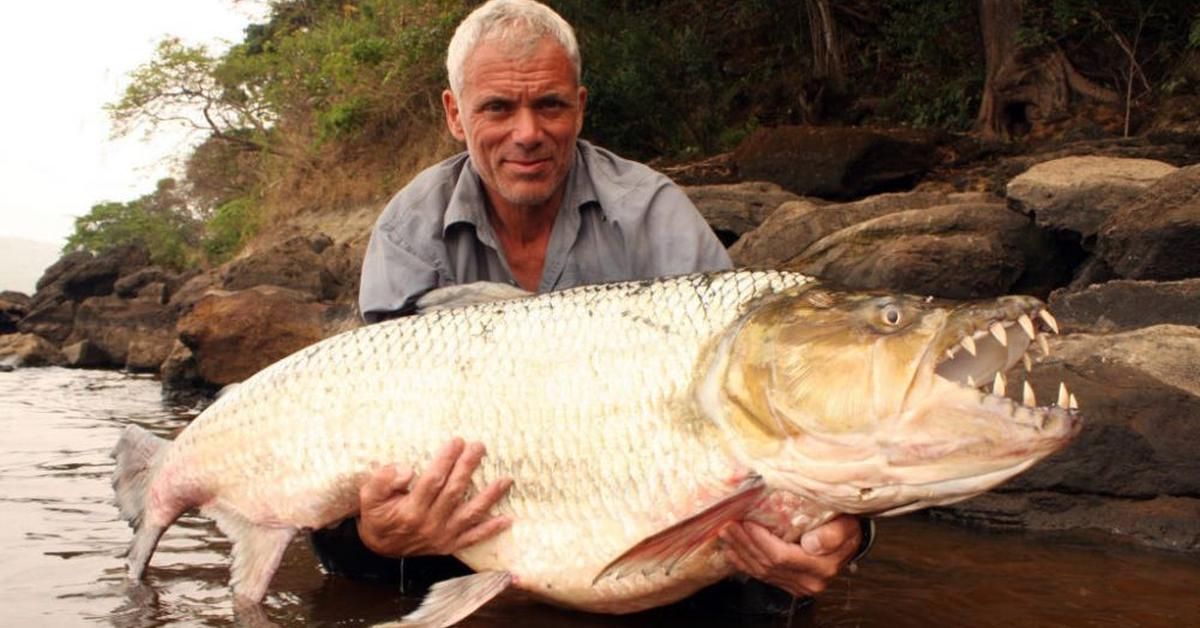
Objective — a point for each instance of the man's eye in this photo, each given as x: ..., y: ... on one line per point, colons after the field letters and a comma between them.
x: 495, y: 107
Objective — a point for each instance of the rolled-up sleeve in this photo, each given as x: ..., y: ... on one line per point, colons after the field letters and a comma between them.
x: 393, y: 277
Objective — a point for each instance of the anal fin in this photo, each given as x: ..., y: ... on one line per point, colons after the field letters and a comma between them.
x: 257, y: 550
x: 668, y: 548
x: 450, y: 601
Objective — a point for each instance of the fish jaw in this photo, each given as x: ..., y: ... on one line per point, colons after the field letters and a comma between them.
x: 876, y: 421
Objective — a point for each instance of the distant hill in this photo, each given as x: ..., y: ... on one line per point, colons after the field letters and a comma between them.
x: 23, y: 261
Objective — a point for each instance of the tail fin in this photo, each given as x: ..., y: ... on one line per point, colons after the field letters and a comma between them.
x: 138, y: 455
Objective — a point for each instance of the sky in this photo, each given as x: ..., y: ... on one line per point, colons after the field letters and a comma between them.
x: 60, y: 63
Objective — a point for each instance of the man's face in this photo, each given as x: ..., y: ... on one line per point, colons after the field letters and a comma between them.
x: 520, y: 115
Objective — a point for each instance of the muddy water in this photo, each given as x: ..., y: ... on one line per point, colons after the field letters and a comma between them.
x: 60, y: 546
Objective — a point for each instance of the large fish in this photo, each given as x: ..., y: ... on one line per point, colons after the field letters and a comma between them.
x: 636, y: 419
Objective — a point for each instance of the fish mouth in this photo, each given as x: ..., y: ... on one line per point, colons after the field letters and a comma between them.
x: 981, y: 342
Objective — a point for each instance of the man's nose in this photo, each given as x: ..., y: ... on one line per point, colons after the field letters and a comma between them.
x: 527, y: 129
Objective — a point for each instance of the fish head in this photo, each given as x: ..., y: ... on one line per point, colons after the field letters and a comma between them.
x: 883, y: 403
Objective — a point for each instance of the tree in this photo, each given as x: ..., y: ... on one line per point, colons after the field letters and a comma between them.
x: 160, y: 222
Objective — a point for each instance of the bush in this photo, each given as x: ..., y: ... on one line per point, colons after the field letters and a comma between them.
x: 229, y: 228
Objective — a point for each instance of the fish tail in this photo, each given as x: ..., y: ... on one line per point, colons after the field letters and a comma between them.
x: 138, y: 454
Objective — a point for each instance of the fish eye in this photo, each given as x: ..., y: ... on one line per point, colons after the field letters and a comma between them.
x: 891, y: 314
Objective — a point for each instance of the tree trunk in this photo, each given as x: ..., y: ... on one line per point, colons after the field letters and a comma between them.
x: 826, y: 45
x: 1025, y: 88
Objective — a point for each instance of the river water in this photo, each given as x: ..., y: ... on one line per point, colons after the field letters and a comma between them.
x: 61, y: 544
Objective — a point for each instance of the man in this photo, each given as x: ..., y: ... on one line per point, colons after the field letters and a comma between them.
x: 532, y: 205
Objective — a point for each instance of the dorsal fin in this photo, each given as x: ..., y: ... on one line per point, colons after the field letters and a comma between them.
x: 468, y: 294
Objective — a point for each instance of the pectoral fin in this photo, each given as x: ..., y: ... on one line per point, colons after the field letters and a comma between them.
x: 668, y: 548
x: 450, y: 601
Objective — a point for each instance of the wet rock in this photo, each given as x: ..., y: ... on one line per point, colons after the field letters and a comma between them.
x: 732, y: 210
x: 1125, y: 304
x: 788, y: 231
x: 13, y: 307
x: 1079, y: 193
x: 957, y: 251
x: 234, y: 335
x: 180, y: 375
x: 1165, y: 522
x: 19, y: 349
x: 51, y: 319
x: 85, y: 354
x: 114, y: 325
x: 1158, y: 235
x: 837, y: 162
x: 295, y: 264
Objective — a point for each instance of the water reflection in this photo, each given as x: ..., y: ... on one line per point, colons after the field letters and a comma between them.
x: 62, y: 546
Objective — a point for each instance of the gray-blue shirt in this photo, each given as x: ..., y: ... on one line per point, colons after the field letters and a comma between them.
x: 619, y: 220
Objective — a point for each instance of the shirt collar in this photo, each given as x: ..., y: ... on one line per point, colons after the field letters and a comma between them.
x: 467, y: 201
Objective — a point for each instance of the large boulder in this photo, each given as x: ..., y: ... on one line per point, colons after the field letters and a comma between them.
x: 64, y: 265
x: 295, y: 263
x: 733, y: 209
x: 97, y: 276
x: 1158, y: 235
x: 837, y: 162
x: 13, y: 307
x: 115, y: 325
x: 1125, y: 304
x: 794, y: 226
x: 28, y: 350
x: 1079, y: 193
x: 233, y: 335
x: 52, y: 319
x: 131, y: 285
x: 961, y: 251
x: 1135, y: 457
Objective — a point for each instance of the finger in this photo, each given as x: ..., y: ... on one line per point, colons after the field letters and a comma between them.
x: 383, y: 485
x: 741, y: 565
x: 483, y: 531
x: 477, y: 507
x: 837, y: 537
x: 450, y: 497
x: 741, y: 544
x: 429, y: 483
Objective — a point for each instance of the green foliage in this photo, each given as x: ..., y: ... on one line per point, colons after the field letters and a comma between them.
x: 229, y: 228
x: 160, y: 222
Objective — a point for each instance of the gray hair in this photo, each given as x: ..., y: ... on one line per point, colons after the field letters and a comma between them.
x: 519, y: 23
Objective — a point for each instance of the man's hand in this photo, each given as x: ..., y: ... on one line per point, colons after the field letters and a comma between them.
x: 803, y: 568
x: 431, y: 516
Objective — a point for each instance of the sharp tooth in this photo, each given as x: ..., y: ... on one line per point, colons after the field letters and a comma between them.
x: 971, y: 382
x: 1072, y: 403
x: 1044, y: 344
x: 1062, y: 395
x: 1026, y: 323
x: 998, y: 385
x: 997, y: 329
x: 969, y: 343
x: 1029, y: 399
x: 1049, y: 320
x: 1028, y: 361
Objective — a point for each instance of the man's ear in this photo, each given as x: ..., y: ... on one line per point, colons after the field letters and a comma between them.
x: 582, y: 107
x: 453, y: 115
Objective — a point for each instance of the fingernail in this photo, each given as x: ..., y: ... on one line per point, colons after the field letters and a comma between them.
x: 811, y: 544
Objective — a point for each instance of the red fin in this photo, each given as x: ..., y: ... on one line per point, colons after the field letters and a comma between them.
x: 450, y: 601
x: 671, y: 546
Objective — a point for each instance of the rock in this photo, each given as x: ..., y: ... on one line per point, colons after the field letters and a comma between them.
x: 114, y: 325
x: 732, y: 210
x: 295, y: 264
x: 794, y: 226
x: 51, y: 319
x: 85, y: 354
x: 129, y: 285
x: 1079, y: 193
x: 343, y: 262
x: 19, y: 349
x: 836, y: 162
x: 97, y: 276
x: 1158, y: 235
x: 961, y: 251
x: 1140, y: 398
x: 715, y: 170
x: 181, y: 378
x: 234, y: 335
x: 1125, y: 304
x: 194, y: 289
x: 65, y: 264
x: 1165, y: 522
x: 13, y: 307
